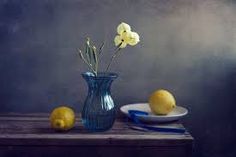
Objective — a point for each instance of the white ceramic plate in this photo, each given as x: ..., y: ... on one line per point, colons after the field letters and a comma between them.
x: 176, y: 114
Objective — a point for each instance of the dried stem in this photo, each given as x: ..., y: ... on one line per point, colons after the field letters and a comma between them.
x: 85, y: 61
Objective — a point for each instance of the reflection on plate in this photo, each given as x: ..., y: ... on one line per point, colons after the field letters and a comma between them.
x: 176, y: 114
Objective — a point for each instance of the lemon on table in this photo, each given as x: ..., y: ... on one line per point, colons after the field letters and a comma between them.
x: 161, y: 102
x: 62, y: 118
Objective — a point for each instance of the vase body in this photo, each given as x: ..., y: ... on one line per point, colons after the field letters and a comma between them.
x: 99, y: 111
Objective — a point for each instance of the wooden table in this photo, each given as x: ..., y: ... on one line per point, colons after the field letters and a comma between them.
x: 30, y: 135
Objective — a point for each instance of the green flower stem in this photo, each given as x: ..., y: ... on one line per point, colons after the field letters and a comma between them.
x: 112, y: 58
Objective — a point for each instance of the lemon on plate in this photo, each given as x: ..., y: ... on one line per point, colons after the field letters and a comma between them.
x: 62, y: 118
x: 161, y: 102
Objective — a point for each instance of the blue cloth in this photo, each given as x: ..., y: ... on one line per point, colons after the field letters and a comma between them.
x: 133, y: 115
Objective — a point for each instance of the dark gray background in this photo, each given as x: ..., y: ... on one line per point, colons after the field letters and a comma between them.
x: 187, y: 47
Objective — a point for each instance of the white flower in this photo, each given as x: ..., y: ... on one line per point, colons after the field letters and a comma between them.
x: 123, y: 27
x: 125, y: 36
x: 118, y: 42
x: 134, y: 38
x: 124, y: 39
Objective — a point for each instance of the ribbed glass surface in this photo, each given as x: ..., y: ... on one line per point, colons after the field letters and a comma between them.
x: 99, y: 110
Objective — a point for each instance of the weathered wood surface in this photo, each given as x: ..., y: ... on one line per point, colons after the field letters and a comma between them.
x: 30, y: 135
x: 34, y: 129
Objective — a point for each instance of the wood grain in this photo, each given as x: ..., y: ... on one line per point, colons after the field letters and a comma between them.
x: 34, y: 129
x: 30, y: 135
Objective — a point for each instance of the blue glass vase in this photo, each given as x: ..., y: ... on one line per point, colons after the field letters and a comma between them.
x: 99, y: 111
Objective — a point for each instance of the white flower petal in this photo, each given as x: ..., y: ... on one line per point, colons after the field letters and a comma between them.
x: 117, y: 40
x: 126, y: 36
x: 134, y: 39
x: 123, y: 27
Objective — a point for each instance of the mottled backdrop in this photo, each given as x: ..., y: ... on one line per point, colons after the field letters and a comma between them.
x: 187, y: 47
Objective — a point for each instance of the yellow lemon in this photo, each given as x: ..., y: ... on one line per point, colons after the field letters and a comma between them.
x: 62, y: 118
x: 162, y: 102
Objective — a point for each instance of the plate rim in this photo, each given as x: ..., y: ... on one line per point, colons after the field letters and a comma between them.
x: 155, y: 116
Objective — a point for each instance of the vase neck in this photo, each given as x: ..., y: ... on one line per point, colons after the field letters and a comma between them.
x: 101, y: 82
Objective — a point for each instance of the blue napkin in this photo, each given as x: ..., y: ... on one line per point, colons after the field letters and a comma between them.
x: 133, y: 115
